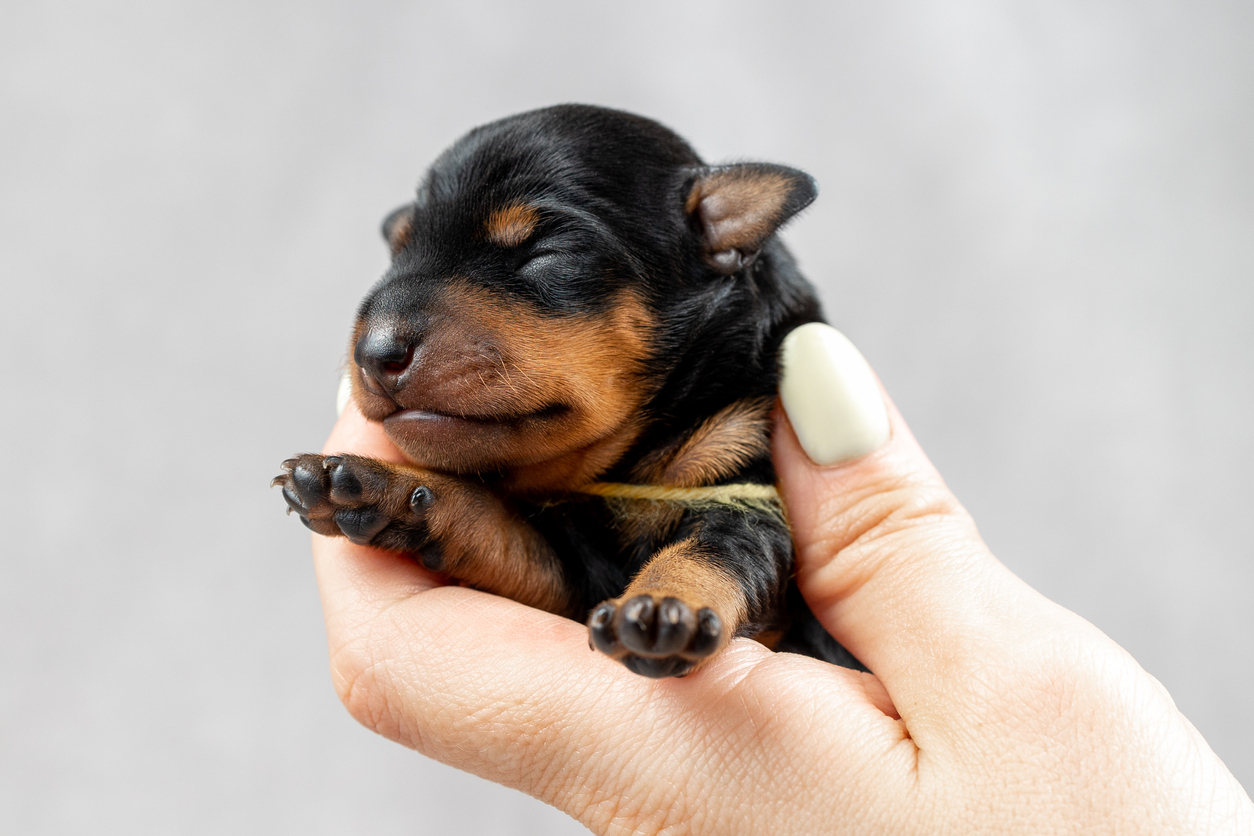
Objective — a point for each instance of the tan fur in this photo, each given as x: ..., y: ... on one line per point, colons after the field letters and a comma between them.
x: 485, y: 543
x: 488, y: 359
x: 738, y: 209
x: 595, y: 364
x: 488, y: 546
x: 399, y: 234
x: 512, y: 225
x: 681, y: 571
x: 716, y: 449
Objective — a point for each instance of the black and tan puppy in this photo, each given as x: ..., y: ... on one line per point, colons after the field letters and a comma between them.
x: 577, y: 345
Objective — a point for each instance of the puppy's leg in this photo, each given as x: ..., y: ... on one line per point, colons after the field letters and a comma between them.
x: 456, y: 526
x: 723, y: 576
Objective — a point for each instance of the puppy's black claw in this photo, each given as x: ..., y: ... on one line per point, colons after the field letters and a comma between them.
x: 288, y: 464
x: 278, y: 480
x: 601, y: 629
x: 331, y: 461
x: 360, y: 524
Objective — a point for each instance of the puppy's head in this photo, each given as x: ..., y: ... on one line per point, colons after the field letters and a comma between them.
x: 550, y: 272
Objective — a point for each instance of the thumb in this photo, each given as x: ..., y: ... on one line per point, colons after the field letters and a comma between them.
x: 888, y: 560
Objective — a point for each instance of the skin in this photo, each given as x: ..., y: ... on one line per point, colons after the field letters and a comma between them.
x: 992, y: 709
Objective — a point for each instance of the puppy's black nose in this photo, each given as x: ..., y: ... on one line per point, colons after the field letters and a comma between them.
x: 384, y: 356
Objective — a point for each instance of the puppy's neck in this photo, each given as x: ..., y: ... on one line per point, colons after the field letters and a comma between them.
x: 574, y: 469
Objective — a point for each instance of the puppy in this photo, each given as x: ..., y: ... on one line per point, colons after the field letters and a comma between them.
x: 577, y: 348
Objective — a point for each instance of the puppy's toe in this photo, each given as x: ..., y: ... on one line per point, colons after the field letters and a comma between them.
x: 309, y: 483
x: 709, y: 633
x: 361, y: 524
x: 655, y: 637
x: 305, y: 484
x: 601, y: 635
x: 345, y: 484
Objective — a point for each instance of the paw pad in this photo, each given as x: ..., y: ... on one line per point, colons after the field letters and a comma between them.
x: 655, y: 637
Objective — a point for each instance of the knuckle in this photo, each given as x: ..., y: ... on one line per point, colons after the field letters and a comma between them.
x: 363, y: 686
x: 862, y: 532
x: 900, y: 507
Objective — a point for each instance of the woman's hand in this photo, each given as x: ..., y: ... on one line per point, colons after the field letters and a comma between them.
x: 991, y: 710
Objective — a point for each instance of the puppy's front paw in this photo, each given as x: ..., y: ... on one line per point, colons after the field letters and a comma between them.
x: 364, y: 500
x: 655, y: 636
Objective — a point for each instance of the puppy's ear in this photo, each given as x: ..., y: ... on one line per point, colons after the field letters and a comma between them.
x: 397, y: 226
x: 737, y: 207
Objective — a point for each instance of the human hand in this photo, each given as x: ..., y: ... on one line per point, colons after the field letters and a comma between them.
x: 991, y: 709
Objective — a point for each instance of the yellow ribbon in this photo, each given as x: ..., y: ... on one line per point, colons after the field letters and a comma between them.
x: 736, y: 494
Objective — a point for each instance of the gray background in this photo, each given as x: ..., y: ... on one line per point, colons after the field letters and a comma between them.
x: 1036, y: 220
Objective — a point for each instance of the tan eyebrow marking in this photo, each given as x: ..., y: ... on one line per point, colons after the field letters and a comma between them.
x: 511, y: 225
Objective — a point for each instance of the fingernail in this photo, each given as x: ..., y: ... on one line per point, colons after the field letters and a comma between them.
x: 831, y: 396
x: 345, y: 392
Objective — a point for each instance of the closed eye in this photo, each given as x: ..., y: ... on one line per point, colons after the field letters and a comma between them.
x: 539, y: 260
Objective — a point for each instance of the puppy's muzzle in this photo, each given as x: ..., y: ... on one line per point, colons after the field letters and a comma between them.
x: 384, y: 357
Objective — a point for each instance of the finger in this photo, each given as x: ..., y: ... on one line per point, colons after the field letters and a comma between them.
x: 887, y: 558
x: 352, y: 433
x: 516, y: 696
x: 355, y: 581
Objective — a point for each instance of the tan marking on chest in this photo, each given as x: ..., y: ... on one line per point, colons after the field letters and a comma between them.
x: 720, y: 447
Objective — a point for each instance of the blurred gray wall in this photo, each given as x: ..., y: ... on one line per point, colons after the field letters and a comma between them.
x: 1036, y: 220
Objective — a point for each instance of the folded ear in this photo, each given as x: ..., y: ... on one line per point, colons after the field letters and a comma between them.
x: 737, y: 207
x: 396, y: 227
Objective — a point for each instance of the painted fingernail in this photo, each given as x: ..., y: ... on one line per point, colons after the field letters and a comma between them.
x: 345, y: 392
x: 831, y: 396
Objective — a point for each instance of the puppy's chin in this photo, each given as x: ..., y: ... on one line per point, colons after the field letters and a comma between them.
x: 484, y: 445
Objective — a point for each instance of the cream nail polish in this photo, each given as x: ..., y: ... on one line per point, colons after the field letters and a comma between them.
x: 831, y: 396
